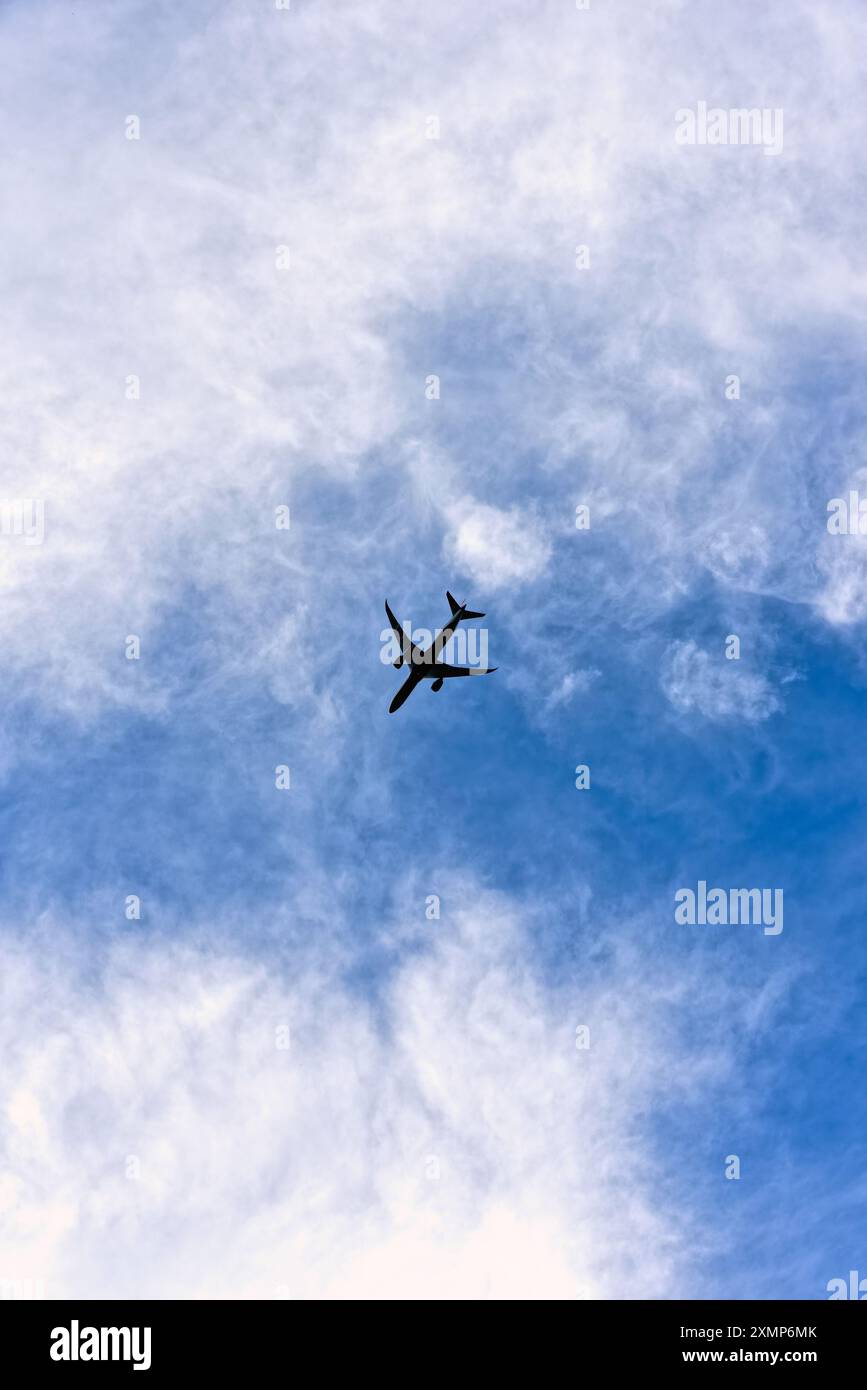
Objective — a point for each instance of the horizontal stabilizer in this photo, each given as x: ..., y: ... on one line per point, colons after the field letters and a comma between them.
x: 456, y: 608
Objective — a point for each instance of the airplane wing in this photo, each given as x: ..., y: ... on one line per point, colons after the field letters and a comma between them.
x: 411, y: 653
x: 443, y: 669
x: 405, y: 691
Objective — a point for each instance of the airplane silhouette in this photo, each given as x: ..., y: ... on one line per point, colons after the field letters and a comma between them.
x: 426, y: 665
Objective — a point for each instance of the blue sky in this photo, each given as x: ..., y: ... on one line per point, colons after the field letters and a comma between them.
x: 432, y: 1131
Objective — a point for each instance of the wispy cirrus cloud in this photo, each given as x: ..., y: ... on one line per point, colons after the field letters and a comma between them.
x: 186, y: 1120
x: 241, y: 311
x: 694, y: 681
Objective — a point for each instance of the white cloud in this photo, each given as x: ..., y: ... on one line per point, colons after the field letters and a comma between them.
x: 309, y: 1172
x: 249, y: 375
x: 573, y: 683
x: 715, y: 687
x: 495, y: 547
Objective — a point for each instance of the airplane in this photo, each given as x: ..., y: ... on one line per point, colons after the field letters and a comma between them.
x: 426, y: 665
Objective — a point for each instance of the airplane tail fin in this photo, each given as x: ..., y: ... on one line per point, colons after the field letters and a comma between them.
x: 456, y: 608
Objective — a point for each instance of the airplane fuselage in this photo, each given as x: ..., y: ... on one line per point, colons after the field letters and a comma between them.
x: 430, y: 657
